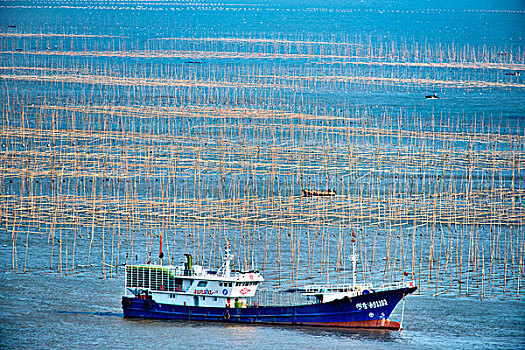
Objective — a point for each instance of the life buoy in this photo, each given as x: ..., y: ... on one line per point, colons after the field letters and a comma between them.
x: 227, y: 315
x: 162, y: 287
x: 179, y: 289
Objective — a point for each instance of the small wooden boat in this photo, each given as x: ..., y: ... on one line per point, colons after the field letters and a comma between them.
x: 318, y: 193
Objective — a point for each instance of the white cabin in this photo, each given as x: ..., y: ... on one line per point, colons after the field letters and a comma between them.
x: 192, y: 285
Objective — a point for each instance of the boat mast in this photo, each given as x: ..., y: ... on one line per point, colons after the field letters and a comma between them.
x: 224, y: 270
x: 161, y: 254
x: 353, y: 257
x: 228, y: 258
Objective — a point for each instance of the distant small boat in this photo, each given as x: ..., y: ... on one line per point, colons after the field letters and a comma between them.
x: 318, y: 193
x: 11, y: 26
x: 432, y: 97
x: 516, y: 74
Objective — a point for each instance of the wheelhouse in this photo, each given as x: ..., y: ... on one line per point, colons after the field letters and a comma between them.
x: 192, y: 285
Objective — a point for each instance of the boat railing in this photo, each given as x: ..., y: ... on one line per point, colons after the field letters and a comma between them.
x: 347, y: 288
x: 334, y: 288
x: 395, y: 285
x: 266, y: 297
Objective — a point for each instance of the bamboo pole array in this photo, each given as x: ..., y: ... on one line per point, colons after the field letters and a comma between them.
x: 107, y: 143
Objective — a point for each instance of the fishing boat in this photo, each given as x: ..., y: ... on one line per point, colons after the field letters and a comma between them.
x: 190, y: 292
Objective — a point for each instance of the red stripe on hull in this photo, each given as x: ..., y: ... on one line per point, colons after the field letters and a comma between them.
x: 377, y: 324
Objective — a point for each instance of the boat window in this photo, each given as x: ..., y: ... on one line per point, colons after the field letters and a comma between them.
x: 230, y: 284
x: 220, y: 284
x: 202, y: 284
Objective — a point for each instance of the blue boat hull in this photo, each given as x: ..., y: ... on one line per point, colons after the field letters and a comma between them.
x: 364, y: 311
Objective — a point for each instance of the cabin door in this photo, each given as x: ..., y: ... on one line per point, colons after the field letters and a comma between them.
x: 196, y: 300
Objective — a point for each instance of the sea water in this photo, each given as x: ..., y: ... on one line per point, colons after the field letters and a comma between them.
x: 81, y: 309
